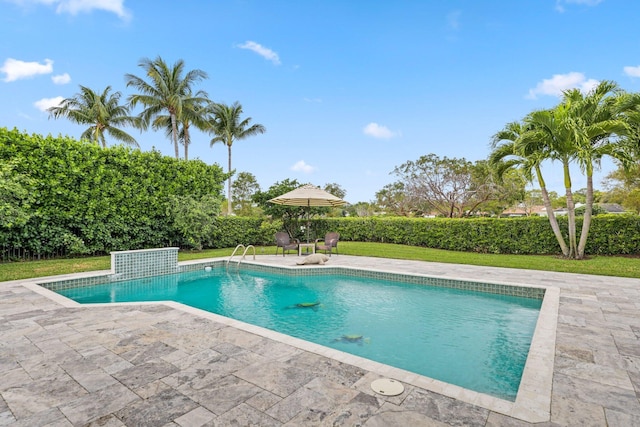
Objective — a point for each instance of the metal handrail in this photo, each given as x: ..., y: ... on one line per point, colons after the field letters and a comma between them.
x: 234, y: 252
x: 244, y: 253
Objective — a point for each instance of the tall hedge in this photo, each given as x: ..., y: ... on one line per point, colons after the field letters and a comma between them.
x: 231, y: 231
x: 94, y: 200
x: 609, y: 234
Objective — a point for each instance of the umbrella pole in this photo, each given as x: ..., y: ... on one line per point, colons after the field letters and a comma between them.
x: 308, y: 222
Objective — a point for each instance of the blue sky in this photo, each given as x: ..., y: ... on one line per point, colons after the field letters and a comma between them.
x: 346, y: 89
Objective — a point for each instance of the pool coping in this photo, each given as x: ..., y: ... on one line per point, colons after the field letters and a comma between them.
x: 533, y: 400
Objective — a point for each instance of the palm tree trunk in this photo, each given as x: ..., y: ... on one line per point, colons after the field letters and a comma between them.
x: 101, y: 135
x: 229, y: 210
x: 174, y: 134
x: 571, y: 212
x: 586, y: 221
x: 552, y: 218
x: 571, y: 216
x: 96, y: 136
x: 187, y: 140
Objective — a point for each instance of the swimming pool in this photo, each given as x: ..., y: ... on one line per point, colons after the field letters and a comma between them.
x: 473, y: 339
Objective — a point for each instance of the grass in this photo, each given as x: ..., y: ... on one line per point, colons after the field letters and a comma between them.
x: 601, y: 265
x: 618, y: 266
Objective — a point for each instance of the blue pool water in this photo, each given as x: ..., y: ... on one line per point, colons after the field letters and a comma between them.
x: 475, y: 340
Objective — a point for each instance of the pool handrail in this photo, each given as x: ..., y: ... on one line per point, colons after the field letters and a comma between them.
x: 244, y: 253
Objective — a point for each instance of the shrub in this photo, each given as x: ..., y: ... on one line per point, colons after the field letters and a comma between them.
x: 609, y: 234
x: 93, y: 200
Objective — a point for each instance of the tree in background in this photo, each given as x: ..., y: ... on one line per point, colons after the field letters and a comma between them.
x: 335, y: 189
x: 496, y: 193
x: 228, y: 127
x: 244, y: 187
x: 579, y: 198
x: 531, y: 199
x: 623, y: 187
x: 451, y: 187
x: 167, y: 90
x: 625, y: 179
x: 596, y: 210
x: 632, y: 200
x: 435, y: 184
x: 101, y: 111
x: 393, y: 199
x: 290, y: 215
x: 361, y: 209
x: 338, y: 191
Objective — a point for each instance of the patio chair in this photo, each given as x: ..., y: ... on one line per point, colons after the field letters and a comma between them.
x: 284, y: 241
x: 330, y: 241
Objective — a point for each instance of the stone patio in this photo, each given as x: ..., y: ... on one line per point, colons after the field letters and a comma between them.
x: 162, y: 364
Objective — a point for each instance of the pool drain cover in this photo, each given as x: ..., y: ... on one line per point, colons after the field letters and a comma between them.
x: 387, y: 387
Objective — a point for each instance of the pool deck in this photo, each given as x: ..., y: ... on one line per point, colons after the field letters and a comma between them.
x: 162, y: 364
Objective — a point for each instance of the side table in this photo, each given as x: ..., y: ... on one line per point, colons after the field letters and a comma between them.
x: 311, y: 246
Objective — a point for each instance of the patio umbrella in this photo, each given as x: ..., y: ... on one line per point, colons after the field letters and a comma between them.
x: 307, y: 196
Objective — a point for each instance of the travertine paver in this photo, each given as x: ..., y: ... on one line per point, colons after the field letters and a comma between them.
x: 156, y: 364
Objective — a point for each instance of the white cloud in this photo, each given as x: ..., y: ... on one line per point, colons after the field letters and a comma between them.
x: 74, y: 7
x: 560, y: 3
x: 632, y: 71
x: 561, y: 82
x: 45, y: 103
x: 27, y: 3
x: 61, y: 79
x: 302, y: 166
x: 377, y: 131
x: 265, y: 52
x: 313, y: 100
x: 16, y: 69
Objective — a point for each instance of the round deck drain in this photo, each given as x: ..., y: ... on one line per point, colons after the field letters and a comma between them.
x: 387, y: 387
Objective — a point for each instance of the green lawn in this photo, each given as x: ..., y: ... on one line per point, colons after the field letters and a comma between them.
x: 601, y: 265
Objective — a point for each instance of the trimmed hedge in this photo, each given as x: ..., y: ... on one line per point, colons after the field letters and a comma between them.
x: 231, y: 231
x: 92, y: 200
x: 608, y: 235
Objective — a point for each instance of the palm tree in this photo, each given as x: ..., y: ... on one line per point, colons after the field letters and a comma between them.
x: 516, y: 147
x: 193, y: 112
x: 167, y: 90
x: 550, y: 131
x: 102, y: 112
x: 598, y: 125
x: 581, y: 129
x: 227, y: 127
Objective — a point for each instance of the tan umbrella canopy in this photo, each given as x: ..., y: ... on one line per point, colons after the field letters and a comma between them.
x: 307, y: 196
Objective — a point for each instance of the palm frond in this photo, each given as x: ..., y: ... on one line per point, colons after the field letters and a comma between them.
x: 100, y: 110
